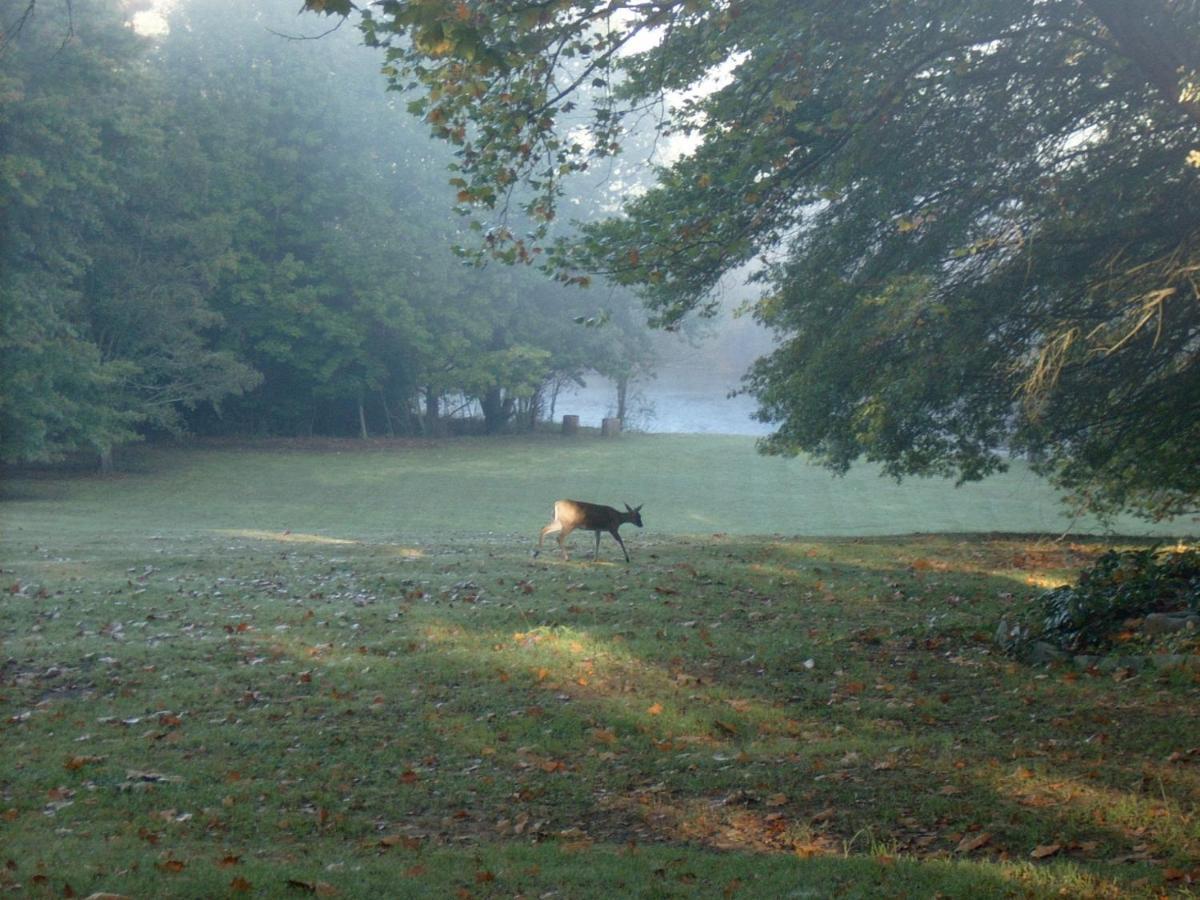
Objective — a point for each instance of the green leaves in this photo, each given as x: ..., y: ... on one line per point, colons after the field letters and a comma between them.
x: 1015, y: 171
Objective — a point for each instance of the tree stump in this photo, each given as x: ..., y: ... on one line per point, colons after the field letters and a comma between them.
x: 610, y: 427
x: 570, y: 425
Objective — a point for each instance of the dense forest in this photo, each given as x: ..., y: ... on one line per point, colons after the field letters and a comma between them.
x: 228, y: 229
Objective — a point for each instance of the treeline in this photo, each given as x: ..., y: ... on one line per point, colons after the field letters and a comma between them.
x: 220, y: 230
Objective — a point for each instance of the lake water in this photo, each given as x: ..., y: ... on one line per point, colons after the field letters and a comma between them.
x: 677, y: 402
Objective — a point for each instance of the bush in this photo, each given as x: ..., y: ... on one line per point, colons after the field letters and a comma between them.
x: 1089, y: 617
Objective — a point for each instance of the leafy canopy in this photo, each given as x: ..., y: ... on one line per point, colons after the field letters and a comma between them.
x: 975, y: 224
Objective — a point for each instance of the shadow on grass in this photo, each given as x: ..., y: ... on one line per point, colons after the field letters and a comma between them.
x: 542, y: 714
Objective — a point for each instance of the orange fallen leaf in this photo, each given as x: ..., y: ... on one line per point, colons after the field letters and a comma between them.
x: 78, y: 762
x: 655, y: 710
x: 240, y: 885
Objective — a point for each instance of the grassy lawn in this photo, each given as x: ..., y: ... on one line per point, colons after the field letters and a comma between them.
x: 286, y: 670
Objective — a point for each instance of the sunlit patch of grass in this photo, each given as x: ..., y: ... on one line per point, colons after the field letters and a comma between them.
x: 1150, y: 816
x: 285, y: 537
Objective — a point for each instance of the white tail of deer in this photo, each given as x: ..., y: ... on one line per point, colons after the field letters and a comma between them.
x: 572, y: 514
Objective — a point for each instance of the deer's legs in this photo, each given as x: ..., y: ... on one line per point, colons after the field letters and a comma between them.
x: 618, y: 540
x: 549, y: 529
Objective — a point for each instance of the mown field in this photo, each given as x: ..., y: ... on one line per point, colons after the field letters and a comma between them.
x: 286, y: 670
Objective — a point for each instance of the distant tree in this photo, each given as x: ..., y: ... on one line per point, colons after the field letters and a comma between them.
x: 337, y: 281
x: 975, y: 223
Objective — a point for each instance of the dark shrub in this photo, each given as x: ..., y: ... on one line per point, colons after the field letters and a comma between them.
x: 1122, y: 585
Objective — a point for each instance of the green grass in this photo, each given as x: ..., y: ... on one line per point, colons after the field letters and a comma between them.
x: 282, y: 670
x: 688, y: 485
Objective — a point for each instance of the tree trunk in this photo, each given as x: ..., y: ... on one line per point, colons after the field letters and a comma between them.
x: 432, y: 411
x: 362, y: 419
x: 622, y: 395
x: 106, y: 460
x: 535, y: 409
x: 387, y: 414
x: 497, y: 409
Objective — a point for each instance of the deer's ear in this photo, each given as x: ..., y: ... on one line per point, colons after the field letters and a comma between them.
x: 638, y: 508
x: 629, y: 508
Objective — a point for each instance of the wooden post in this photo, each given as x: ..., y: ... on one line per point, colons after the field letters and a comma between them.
x: 610, y: 427
x: 570, y: 425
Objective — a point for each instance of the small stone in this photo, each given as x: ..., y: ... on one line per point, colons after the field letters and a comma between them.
x: 1042, y: 652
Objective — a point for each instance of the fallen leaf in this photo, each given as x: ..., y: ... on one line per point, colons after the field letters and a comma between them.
x: 655, y: 710
x: 78, y: 762
x: 604, y: 736
x: 973, y: 842
x: 1044, y: 850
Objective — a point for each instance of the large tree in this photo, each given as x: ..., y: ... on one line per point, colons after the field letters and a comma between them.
x: 975, y: 223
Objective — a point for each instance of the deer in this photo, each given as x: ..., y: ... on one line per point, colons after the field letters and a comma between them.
x: 572, y: 514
